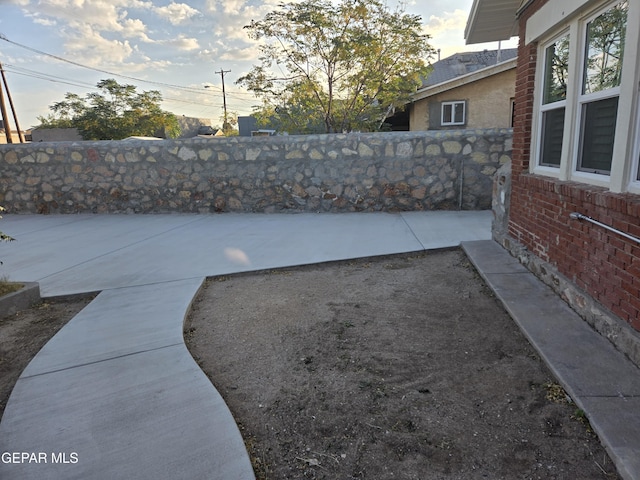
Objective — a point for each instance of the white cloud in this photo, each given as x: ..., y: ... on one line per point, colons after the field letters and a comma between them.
x: 239, y: 54
x: 233, y: 7
x: 177, y: 13
x: 101, y: 15
x: 450, y: 21
x: 184, y: 43
x: 91, y: 48
x: 45, y: 22
x: 134, y: 28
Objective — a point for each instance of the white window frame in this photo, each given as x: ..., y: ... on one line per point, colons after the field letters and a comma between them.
x: 634, y: 183
x: 547, y: 25
x: 453, y: 105
x: 543, y: 108
x: 585, y: 99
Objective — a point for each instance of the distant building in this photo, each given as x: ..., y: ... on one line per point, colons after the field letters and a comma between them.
x: 55, y: 135
x: 467, y: 90
x: 15, y: 137
x: 207, y: 131
x: 246, y: 125
x: 192, y: 127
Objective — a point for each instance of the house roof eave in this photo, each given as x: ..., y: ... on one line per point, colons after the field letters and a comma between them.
x: 464, y: 79
x: 492, y: 20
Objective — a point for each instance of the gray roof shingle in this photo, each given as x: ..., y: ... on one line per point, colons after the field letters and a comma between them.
x: 466, y: 62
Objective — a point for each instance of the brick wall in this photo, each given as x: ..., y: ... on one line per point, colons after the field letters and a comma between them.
x: 603, y: 264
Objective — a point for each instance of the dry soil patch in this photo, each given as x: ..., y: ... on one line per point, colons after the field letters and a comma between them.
x: 395, y: 367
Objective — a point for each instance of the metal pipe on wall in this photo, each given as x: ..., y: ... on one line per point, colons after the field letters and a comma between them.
x: 581, y: 216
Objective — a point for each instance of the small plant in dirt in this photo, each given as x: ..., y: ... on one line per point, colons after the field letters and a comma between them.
x: 556, y: 394
x: 7, y: 287
x: 3, y: 236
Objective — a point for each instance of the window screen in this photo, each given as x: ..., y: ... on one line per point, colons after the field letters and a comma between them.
x: 598, y: 131
x: 552, y: 133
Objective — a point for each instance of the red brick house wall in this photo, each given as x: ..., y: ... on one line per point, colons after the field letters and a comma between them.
x: 605, y: 265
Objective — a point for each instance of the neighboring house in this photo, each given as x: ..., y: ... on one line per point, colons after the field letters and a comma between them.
x: 247, y: 125
x: 208, y: 131
x: 192, y: 127
x: 55, y: 135
x: 15, y: 137
x: 467, y: 90
x: 576, y: 141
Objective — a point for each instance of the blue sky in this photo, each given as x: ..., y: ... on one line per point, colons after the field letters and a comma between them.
x: 171, y: 46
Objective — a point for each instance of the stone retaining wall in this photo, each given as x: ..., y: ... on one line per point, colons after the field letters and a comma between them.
x: 396, y: 171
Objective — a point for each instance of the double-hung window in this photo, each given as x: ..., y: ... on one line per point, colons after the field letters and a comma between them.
x: 600, y: 89
x: 554, y: 99
x: 582, y: 123
x: 452, y: 113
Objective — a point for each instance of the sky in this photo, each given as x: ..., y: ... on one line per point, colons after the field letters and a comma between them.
x: 177, y: 47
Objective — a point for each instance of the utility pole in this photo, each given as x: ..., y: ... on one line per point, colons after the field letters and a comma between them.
x: 13, y: 109
x: 5, y: 118
x: 224, y: 100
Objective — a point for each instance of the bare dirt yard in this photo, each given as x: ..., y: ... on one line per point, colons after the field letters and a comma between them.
x: 399, y: 367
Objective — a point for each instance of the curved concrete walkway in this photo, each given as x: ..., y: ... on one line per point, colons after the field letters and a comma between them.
x: 115, y: 394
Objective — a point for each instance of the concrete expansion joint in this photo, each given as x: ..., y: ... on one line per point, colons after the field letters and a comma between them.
x: 116, y: 357
x: 404, y: 220
x: 151, y: 284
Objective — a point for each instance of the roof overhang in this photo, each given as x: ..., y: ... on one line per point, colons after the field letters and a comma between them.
x: 464, y: 79
x: 492, y: 20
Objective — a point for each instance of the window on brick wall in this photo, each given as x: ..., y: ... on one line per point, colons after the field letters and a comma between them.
x: 579, y: 131
x: 600, y: 89
x: 554, y: 99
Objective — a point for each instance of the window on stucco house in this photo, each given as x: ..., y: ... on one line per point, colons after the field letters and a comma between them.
x: 452, y: 113
x: 447, y: 114
x: 587, y: 118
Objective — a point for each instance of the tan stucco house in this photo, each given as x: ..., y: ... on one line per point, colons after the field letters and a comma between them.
x: 467, y: 90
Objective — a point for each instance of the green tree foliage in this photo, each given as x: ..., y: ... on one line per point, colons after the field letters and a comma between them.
x: 230, y: 124
x: 3, y: 236
x: 334, y: 67
x: 114, y: 112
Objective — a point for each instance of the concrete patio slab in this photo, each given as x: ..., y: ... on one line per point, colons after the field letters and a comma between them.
x: 98, y: 252
x: 447, y: 229
x: 55, y: 244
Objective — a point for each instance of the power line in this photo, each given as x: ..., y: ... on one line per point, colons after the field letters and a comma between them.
x: 56, y: 79
x: 151, y: 82
x: 26, y: 72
